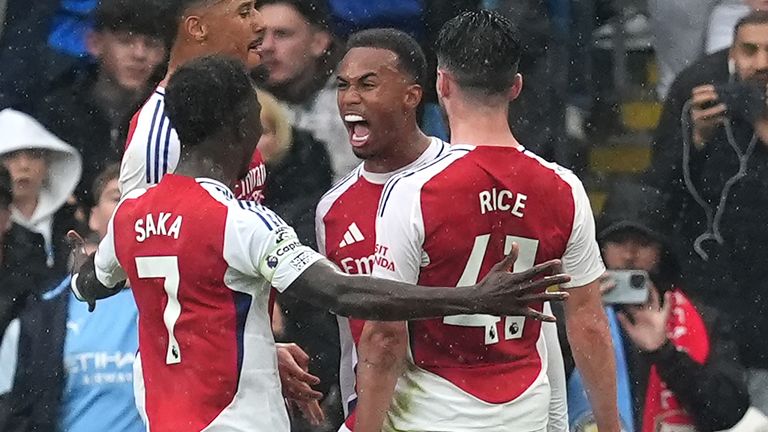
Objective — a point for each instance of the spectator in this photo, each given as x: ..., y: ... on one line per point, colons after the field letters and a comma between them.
x: 22, y: 274
x: 718, y: 193
x: 22, y: 258
x: 90, y: 109
x: 299, y: 174
x: 724, y: 18
x: 678, y: 345
x: 44, y: 171
x: 300, y: 56
x: 679, y: 31
x: 75, y: 368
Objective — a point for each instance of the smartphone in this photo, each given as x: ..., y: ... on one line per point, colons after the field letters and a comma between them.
x: 632, y: 287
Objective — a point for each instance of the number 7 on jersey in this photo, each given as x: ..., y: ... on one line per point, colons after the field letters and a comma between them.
x: 513, y: 325
x: 167, y: 268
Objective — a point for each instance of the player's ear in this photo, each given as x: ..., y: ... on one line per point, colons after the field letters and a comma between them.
x: 195, y: 28
x: 413, y: 96
x: 443, y: 85
x: 517, y: 87
x: 321, y: 41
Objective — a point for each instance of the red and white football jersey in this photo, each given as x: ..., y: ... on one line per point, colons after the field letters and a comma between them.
x: 446, y: 224
x: 345, y: 226
x: 201, y: 264
x: 153, y: 149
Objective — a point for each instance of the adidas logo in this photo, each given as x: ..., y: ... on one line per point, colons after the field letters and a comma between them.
x: 352, y: 236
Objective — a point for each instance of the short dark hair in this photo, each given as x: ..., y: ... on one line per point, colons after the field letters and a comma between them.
x: 153, y: 18
x: 209, y: 96
x: 6, y: 188
x: 316, y: 12
x: 111, y: 172
x: 410, y: 56
x: 756, y: 17
x: 481, y: 50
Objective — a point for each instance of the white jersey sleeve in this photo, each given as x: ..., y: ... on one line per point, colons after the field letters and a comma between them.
x: 108, y: 269
x: 152, y: 149
x: 258, y: 243
x: 399, y: 232
x: 582, y: 260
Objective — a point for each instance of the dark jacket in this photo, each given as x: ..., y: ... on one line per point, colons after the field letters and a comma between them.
x: 34, y: 402
x: 23, y: 272
x: 715, y: 393
x: 732, y: 275
x: 72, y: 113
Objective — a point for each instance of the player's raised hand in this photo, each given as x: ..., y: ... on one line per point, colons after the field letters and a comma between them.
x: 78, y: 256
x: 504, y: 293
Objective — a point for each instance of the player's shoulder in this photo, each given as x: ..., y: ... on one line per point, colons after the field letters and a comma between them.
x: 244, y: 213
x: 338, y: 189
x: 551, y: 175
x: 407, y: 184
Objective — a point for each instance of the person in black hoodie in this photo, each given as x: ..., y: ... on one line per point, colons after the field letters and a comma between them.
x: 683, y: 359
x: 711, y: 162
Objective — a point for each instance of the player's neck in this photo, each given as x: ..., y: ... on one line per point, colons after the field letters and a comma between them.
x: 481, y: 126
x: 406, y: 149
x: 180, y: 55
x: 201, y: 164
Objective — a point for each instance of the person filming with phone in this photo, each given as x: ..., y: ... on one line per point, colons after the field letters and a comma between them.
x: 682, y: 359
x: 710, y: 159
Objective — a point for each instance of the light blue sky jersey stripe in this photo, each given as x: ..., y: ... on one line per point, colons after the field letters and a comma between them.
x: 394, y: 180
x: 149, y: 143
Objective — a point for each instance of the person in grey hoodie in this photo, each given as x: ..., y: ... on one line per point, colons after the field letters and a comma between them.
x: 44, y: 172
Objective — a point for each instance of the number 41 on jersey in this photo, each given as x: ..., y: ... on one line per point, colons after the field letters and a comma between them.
x: 513, y: 325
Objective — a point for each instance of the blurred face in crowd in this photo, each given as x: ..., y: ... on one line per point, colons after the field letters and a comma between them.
x: 758, y: 5
x: 232, y: 27
x: 374, y: 96
x: 130, y: 59
x: 105, y: 206
x: 28, y: 169
x: 268, y: 144
x: 631, y: 250
x: 292, y: 46
x: 750, y: 52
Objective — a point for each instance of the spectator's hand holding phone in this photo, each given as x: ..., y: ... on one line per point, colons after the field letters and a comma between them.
x: 646, y: 324
x: 707, y: 112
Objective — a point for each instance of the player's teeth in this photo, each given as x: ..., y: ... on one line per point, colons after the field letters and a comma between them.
x: 351, y: 118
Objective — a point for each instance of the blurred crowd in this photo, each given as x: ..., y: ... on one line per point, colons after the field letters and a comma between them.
x: 73, y: 73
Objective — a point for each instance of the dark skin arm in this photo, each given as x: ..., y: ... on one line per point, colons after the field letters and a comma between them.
x: 369, y: 298
x: 364, y: 297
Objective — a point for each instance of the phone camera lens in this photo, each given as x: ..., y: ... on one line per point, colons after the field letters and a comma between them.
x: 637, y: 281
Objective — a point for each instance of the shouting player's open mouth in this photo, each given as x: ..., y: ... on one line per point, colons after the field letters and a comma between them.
x: 359, y: 132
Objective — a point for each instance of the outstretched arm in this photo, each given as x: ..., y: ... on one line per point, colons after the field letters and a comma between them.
x: 369, y: 298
